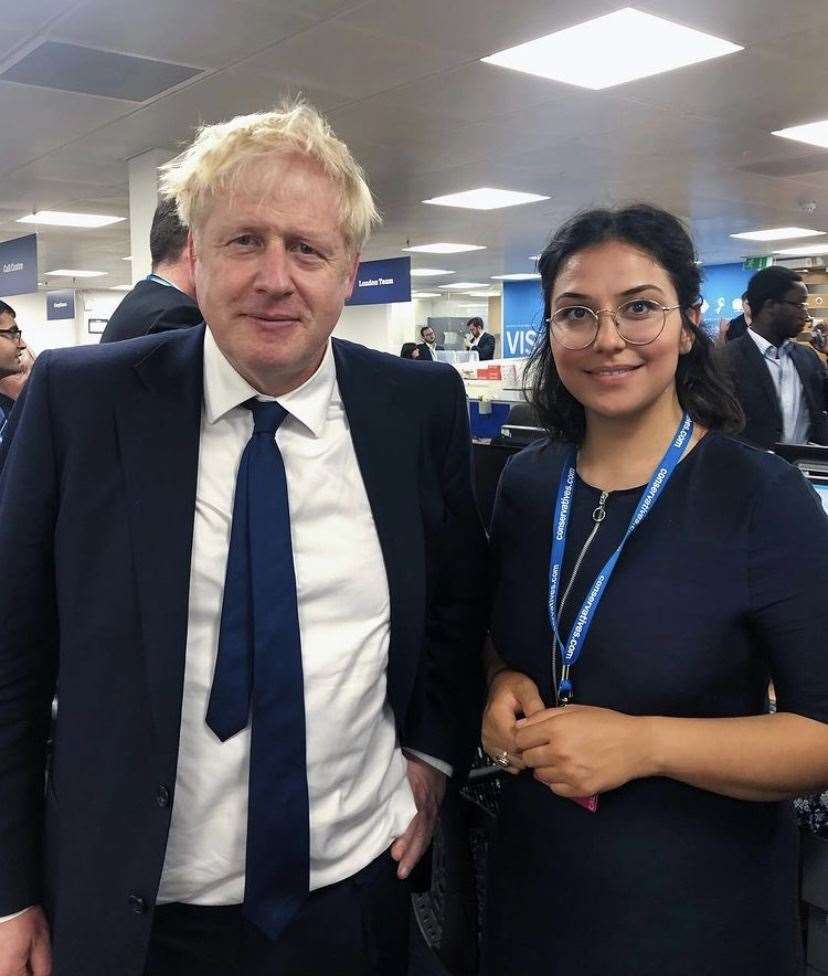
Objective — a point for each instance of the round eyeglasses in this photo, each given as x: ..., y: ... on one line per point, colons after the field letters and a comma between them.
x: 638, y: 322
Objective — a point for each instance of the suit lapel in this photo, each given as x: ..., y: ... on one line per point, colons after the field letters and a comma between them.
x: 158, y: 431
x: 802, y: 361
x: 758, y: 368
x: 386, y: 443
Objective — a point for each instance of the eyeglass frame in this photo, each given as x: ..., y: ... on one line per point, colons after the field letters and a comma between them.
x: 613, y: 313
x: 14, y: 334
x: 802, y: 306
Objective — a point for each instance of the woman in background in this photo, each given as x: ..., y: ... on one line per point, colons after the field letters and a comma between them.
x: 652, y: 575
x: 410, y: 351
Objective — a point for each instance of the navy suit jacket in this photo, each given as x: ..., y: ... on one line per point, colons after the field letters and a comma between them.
x: 151, y: 307
x: 486, y: 346
x: 97, y: 500
x: 755, y: 391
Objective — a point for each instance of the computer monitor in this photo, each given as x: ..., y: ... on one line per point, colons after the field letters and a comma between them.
x: 822, y: 491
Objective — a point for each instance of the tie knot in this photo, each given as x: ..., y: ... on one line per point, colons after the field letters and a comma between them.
x: 266, y: 416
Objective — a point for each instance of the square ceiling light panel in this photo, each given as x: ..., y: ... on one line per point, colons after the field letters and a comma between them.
x: 804, y: 251
x: 69, y: 67
x: 485, y: 198
x: 62, y: 218
x: 533, y: 276
x: 73, y: 273
x: 444, y: 248
x: 613, y: 50
x: 462, y: 286
x: 429, y: 272
x: 778, y: 234
x: 814, y: 133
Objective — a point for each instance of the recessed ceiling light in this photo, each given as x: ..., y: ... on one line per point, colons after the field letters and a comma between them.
x: 472, y: 305
x: 429, y: 272
x: 463, y: 286
x: 597, y: 54
x: 804, y: 251
x: 73, y: 273
x: 443, y: 248
x: 814, y: 133
x: 127, y: 258
x: 485, y: 198
x: 59, y: 218
x: 484, y: 294
x: 778, y: 234
x: 534, y: 257
x: 120, y: 287
x: 531, y: 276
x: 426, y: 294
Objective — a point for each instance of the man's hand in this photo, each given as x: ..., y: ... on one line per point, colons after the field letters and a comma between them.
x: 511, y: 695
x: 24, y: 945
x: 429, y: 787
x: 581, y: 750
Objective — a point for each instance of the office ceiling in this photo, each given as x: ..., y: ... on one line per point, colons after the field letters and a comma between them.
x: 402, y: 83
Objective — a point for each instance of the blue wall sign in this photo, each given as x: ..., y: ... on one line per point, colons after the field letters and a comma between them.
x: 722, y: 288
x: 60, y: 304
x: 382, y: 282
x: 522, y: 317
x: 18, y: 266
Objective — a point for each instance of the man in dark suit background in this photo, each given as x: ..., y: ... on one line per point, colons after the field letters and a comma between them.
x: 265, y: 673
x: 739, y: 326
x: 781, y: 384
x: 480, y: 339
x: 165, y: 299
x: 429, y: 344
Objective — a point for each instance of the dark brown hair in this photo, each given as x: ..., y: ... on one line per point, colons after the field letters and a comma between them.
x: 703, y: 389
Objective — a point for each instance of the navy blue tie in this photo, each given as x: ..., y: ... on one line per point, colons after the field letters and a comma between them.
x: 258, y: 676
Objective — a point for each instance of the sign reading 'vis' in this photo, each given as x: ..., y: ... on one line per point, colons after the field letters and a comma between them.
x: 60, y: 304
x: 382, y: 282
x: 18, y: 266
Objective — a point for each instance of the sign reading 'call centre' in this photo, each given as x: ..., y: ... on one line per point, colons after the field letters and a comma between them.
x: 18, y: 266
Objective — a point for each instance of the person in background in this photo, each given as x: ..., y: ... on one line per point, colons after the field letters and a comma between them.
x: 781, y: 384
x: 12, y: 386
x: 410, y: 350
x: 428, y: 346
x: 477, y: 338
x: 739, y: 326
x: 649, y: 830
x: 165, y: 299
x: 223, y: 555
x: 12, y: 351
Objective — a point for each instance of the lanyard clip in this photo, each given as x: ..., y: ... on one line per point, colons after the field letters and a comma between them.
x: 565, y: 688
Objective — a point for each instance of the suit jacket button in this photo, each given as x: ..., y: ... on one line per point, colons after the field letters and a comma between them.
x: 162, y: 796
x: 137, y: 904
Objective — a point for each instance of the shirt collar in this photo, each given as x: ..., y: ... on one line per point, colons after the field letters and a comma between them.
x: 225, y: 388
x: 768, y: 349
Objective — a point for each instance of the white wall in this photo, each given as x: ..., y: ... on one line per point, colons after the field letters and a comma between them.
x: 41, y: 334
x: 383, y: 327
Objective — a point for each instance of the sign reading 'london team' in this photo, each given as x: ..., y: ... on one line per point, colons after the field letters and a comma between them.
x: 18, y: 266
x: 382, y: 282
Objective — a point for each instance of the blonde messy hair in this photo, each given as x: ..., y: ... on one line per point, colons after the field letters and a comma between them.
x: 219, y: 153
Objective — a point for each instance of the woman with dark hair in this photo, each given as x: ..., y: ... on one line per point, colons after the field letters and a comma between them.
x: 651, y: 576
x: 410, y: 351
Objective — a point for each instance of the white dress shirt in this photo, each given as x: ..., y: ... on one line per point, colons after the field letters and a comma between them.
x: 360, y: 798
x: 796, y: 420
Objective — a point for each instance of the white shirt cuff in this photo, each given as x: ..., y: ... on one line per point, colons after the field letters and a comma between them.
x: 8, y: 918
x: 438, y: 764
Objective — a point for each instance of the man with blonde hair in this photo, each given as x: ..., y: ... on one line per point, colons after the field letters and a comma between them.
x: 244, y: 556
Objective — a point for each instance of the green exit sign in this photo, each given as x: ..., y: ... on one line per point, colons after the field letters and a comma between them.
x: 756, y: 264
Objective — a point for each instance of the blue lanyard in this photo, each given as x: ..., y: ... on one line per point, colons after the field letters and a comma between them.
x: 563, y: 510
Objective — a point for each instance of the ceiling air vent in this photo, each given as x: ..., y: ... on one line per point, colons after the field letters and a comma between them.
x: 69, y: 67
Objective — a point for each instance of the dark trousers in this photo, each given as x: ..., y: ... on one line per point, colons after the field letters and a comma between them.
x: 358, y: 927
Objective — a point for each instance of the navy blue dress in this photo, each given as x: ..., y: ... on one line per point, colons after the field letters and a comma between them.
x: 721, y: 588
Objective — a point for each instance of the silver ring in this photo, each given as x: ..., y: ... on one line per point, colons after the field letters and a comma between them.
x: 502, y: 759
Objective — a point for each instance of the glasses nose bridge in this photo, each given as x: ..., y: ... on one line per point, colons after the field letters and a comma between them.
x: 615, y: 332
